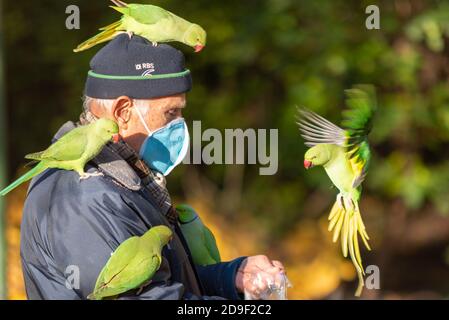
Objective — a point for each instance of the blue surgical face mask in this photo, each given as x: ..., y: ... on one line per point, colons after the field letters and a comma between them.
x: 165, y: 147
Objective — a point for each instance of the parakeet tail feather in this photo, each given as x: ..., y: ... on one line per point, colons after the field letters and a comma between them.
x: 108, y: 33
x: 346, y: 223
x: 27, y: 176
x: 113, y: 25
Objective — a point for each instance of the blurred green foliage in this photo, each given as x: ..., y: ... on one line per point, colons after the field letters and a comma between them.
x: 263, y: 58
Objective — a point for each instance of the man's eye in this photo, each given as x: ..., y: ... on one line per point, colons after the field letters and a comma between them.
x: 173, y: 112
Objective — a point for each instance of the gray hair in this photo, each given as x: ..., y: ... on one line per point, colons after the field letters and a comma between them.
x: 107, y: 103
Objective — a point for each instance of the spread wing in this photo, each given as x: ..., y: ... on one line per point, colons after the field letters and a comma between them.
x: 70, y: 146
x: 315, y: 129
x: 358, y: 121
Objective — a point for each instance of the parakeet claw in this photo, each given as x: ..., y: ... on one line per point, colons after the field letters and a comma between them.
x: 143, y: 286
x: 130, y: 34
x: 154, y: 43
x: 340, y: 201
x: 88, y: 175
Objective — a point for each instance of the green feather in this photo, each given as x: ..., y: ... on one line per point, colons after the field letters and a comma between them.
x: 358, y: 119
x: 144, y: 13
x: 27, y: 176
x: 211, y: 244
x: 133, y: 263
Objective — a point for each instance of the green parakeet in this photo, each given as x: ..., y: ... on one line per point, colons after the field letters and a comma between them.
x: 344, y: 154
x: 199, y: 238
x: 132, y: 264
x: 151, y: 22
x: 71, y: 152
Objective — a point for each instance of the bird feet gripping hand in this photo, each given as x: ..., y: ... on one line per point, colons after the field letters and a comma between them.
x: 259, y: 276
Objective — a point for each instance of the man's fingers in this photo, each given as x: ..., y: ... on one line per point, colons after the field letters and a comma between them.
x: 278, y: 264
x: 252, y: 290
x: 257, y: 283
x: 262, y: 262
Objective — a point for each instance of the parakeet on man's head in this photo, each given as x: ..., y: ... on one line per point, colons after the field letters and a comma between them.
x: 345, y: 155
x: 72, y: 151
x: 151, y: 22
x: 200, y: 239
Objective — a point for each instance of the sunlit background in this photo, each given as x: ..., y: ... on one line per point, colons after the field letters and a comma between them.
x: 264, y: 57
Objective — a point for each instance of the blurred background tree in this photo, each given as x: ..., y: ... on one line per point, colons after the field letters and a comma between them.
x: 3, y: 142
x: 262, y: 59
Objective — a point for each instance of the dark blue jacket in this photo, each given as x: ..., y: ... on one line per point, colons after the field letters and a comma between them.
x: 71, y: 227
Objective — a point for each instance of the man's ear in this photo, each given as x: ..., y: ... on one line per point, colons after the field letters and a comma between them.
x: 121, y: 110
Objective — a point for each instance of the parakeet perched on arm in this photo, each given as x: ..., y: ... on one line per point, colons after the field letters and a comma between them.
x: 344, y: 154
x: 132, y: 264
x: 199, y: 238
x: 72, y: 151
x: 151, y: 22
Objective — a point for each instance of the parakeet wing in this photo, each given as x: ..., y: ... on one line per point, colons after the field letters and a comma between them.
x: 211, y: 244
x: 315, y: 129
x: 70, y: 146
x: 132, y: 276
x: 145, y: 14
x: 118, y: 261
x: 357, y: 121
x: 360, y: 163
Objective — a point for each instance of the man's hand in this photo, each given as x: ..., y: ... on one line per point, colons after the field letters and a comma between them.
x: 257, y: 267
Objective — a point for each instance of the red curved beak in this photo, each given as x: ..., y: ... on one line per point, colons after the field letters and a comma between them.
x: 308, y: 164
x: 116, y: 137
x: 198, y: 48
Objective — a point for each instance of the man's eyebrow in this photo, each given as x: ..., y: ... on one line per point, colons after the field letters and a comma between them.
x: 176, y: 106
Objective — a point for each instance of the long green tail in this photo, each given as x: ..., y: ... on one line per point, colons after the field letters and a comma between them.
x: 27, y: 176
x: 109, y: 32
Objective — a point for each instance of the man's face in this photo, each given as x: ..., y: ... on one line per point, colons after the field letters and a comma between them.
x: 160, y: 112
x: 156, y: 113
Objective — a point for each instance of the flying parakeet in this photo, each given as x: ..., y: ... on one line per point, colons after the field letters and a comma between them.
x: 132, y: 264
x: 72, y: 151
x: 345, y: 155
x: 151, y: 22
x: 199, y: 238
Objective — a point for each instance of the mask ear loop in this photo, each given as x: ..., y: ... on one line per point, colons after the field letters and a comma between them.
x: 141, y: 118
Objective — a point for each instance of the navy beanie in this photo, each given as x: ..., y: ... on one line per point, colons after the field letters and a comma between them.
x: 135, y: 68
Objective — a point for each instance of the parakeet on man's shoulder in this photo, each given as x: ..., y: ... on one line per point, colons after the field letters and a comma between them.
x: 72, y: 151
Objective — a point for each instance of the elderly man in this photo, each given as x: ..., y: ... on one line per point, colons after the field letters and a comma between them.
x: 70, y: 227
